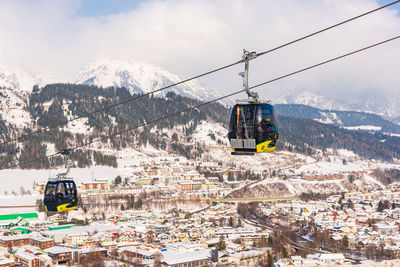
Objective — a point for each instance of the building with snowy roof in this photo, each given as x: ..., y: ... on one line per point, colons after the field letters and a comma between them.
x: 179, y: 259
x: 59, y: 255
x: 27, y: 259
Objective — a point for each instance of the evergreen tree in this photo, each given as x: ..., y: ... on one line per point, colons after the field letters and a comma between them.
x: 284, y: 252
x: 345, y: 241
x: 263, y: 242
x: 270, y: 260
x: 221, y: 243
x: 117, y: 180
x: 350, y: 204
x: 270, y: 241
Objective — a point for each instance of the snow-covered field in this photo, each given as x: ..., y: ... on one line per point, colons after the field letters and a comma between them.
x: 364, y: 128
x: 13, y: 180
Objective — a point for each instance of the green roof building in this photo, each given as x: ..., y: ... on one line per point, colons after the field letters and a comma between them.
x: 61, y: 227
x: 5, y: 217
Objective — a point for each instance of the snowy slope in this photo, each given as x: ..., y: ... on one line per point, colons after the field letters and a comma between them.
x: 373, y: 102
x: 310, y: 99
x: 351, y: 120
x: 13, y: 108
x: 140, y: 78
x: 19, y: 80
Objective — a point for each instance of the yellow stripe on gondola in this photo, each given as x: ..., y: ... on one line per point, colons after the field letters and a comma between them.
x: 64, y: 207
x: 264, y: 147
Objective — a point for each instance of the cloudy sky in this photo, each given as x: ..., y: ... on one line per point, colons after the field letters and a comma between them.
x: 55, y: 38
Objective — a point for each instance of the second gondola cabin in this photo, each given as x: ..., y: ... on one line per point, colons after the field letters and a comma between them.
x: 253, y: 128
x: 60, y: 195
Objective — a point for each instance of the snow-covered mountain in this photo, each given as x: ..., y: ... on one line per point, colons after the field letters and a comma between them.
x: 13, y: 108
x: 140, y: 78
x: 384, y: 105
x: 310, y: 99
x: 19, y: 80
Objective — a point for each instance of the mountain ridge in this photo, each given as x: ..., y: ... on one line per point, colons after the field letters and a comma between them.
x: 370, y: 102
x: 345, y: 119
x: 141, y: 77
x: 180, y: 134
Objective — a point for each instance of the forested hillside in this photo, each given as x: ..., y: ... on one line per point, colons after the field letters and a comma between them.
x: 57, y: 103
x: 338, y: 117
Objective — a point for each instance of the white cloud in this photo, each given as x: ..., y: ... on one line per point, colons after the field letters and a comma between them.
x: 193, y: 36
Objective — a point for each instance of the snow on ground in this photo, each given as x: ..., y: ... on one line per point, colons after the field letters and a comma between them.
x: 329, y: 118
x: 127, y: 159
x: 333, y: 167
x: 50, y: 149
x: 205, y: 130
x: 364, y: 128
x: 7, y: 201
x: 151, y: 151
x: 130, y: 157
x: 17, y: 210
x: 80, y: 126
x: 13, y: 180
x: 369, y: 179
x: 12, y: 109
x: 259, y: 162
x: 346, y: 153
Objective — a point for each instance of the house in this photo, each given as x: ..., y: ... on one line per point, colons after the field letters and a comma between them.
x: 110, y: 246
x: 20, y: 221
x: 245, y: 257
x: 7, y: 262
x: 190, y: 186
x: 160, y: 228
x: 144, y: 180
x: 385, y: 229
x: 76, y: 238
x: 99, y: 252
x: 59, y: 255
x: 183, y: 259
x: 25, y: 259
x: 210, y: 242
x: 41, y: 241
x: 330, y: 258
x: 396, y: 214
x: 213, y: 179
x: 15, y: 241
x: 141, y: 252
x: 164, y: 237
x: 96, y: 185
x: 297, y: 260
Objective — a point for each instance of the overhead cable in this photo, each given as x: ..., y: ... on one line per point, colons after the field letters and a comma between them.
x: 206, y: 103
x: 46, y: 128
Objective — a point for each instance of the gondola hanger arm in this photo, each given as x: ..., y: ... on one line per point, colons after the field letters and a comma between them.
x: 247, y: 56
